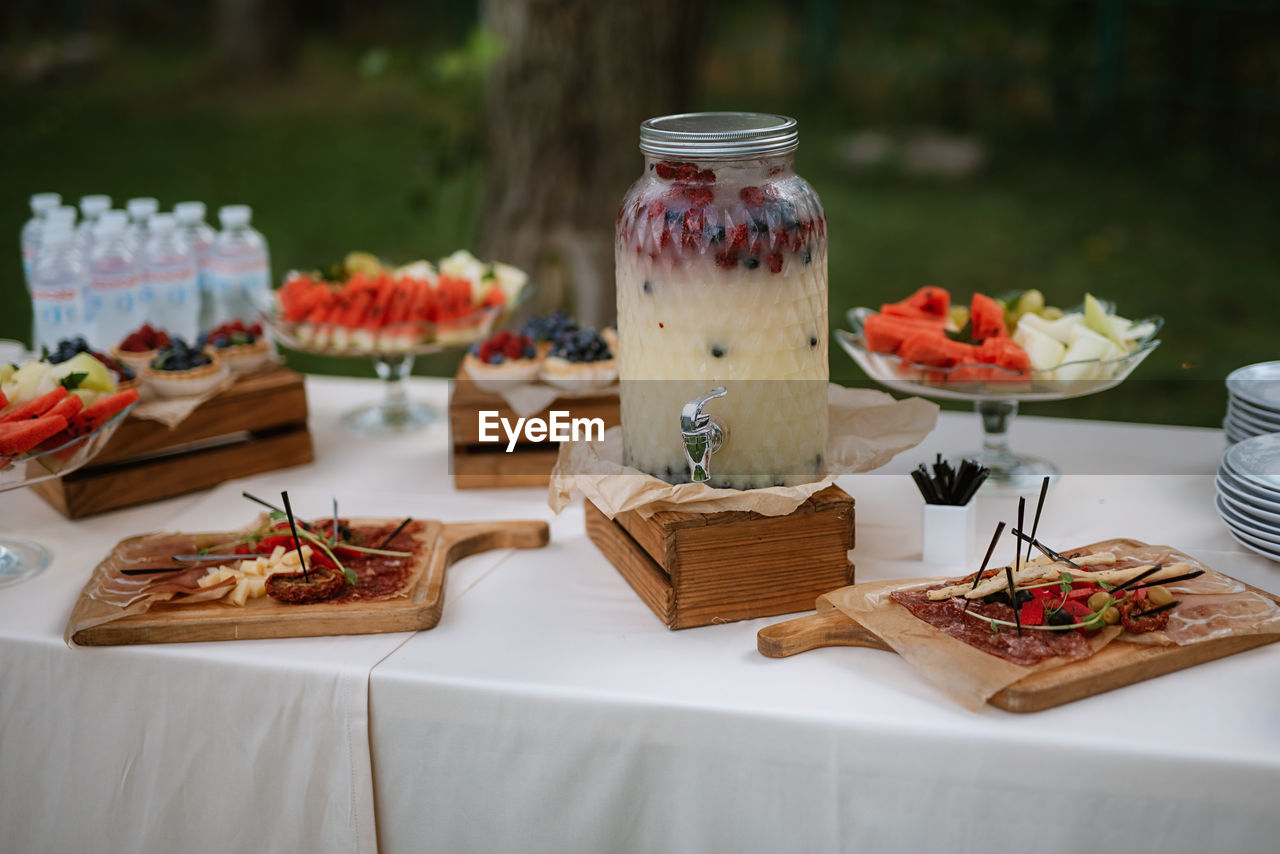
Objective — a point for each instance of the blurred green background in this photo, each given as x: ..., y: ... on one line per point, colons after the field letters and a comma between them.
x: 1127, y: 149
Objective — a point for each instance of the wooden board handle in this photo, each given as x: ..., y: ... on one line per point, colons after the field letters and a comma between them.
x: 825, y: 628
x: 463, y: 539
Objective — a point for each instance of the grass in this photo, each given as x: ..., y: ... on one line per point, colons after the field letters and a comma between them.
x: 331, y: 163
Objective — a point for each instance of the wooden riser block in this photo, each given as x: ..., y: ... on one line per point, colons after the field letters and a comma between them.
x: 489, y: 466
x: 258, y: 403
x: 104, y: 488
x: 695, y: 569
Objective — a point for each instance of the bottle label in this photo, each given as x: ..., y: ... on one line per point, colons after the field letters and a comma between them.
x: 116, y: 281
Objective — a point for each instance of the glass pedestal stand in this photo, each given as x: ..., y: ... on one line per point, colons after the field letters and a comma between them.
x: 1008, y: 470
x: 395, y: 413
x: 21, y: 560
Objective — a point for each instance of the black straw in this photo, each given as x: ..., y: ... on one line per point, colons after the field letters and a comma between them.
x: 947, y: 485
x: 393, y: 534
x: 294, y: 528
x: 1184, y: 577
x: 1141, y: 575
x: 270, y: 506
x: 1035, y: 523
x: 990, y: 550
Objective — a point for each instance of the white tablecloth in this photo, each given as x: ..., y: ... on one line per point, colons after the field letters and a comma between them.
x: 232, y: 746
x: 550, y: 710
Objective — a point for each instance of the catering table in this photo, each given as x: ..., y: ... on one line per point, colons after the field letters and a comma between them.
x: 550, y: 710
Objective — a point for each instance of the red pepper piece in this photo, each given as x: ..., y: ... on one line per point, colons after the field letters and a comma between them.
x: 1032, y: 613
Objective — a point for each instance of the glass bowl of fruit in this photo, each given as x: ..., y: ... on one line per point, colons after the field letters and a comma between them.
x: 998, y: 353
x: 365, y: 309
x: 54, y: 417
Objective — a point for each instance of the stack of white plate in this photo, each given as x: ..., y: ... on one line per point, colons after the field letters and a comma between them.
x: 1253, y: 404
x: 1248, y: 497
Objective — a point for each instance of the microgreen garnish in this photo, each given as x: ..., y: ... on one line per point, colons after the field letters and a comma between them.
x: 995, y: 630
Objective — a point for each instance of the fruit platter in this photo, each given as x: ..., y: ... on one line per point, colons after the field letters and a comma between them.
x: 54, y: 417
x: 367, y: 309
x: 997, y: 353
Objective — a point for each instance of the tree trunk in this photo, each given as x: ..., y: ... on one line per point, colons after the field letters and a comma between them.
x: 252, y: 37
x: 565, y: 103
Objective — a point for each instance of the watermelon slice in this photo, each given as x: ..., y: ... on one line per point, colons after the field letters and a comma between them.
x: 931, y: 300
x: 930, y: 347
x: 92, y: 417
x: 4, y: 401
x: 68, y: 407
x: 35, y: 407
x: 1005, y: 353
x: 986, y: 318
x: 18, y: 437
x: 884, y: 333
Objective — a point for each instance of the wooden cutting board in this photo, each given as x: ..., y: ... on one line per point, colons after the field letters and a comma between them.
x: 1114, y: 666
x: 267, y: 618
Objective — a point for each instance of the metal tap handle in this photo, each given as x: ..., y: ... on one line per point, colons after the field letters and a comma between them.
x: 703, y: 434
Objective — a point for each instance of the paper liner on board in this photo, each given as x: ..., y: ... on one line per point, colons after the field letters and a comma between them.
x: 867, y: 429
x: 966, y: 674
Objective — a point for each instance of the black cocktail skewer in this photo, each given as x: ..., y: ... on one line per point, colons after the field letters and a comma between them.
x: 293, y: 527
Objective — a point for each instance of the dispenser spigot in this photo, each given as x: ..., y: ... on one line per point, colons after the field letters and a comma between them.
x: 703, y: 434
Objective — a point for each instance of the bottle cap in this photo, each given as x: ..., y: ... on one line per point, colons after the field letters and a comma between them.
x: 42, y: 203
x: 61, y: 215
x: 189, y: 213
x: 234, y: 216
x: 93, y: 206
x: 111, y: 223
x: 141, y: 208
x: 161, y: 223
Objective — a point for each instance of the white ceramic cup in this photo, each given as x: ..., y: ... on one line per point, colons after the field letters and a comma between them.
x: 948, y: 533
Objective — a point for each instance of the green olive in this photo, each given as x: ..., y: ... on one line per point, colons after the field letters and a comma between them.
x: 1111, y: 616
x: 1099, y: 600
x: 1159, y: 596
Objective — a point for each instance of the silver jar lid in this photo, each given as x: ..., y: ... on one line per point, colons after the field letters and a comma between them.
x: 695, y: 135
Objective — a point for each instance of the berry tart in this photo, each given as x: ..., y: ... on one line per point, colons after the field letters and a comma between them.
x: 580, y: 360
x: 501, y: 360
x: 140, y: 347
x: 546, y: 331
x: 180, y: 371
x: 242, y: 348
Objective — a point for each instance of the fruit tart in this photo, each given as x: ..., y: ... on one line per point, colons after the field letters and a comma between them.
x: 503, y: 359
x: 242, y: 348
x: 180, y: 370
x: 580, y: 360
x: 140, y: 347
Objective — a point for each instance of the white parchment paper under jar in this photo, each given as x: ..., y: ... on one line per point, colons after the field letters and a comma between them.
x: 866, y: 429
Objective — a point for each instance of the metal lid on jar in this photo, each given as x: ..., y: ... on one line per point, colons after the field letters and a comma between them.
x: 695, y: 135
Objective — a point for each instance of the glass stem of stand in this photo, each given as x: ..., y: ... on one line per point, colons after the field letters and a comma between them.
x: 393, y: 370
x: 997, y: 415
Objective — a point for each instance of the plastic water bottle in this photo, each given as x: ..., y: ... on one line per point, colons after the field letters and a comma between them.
x: 140, y: 212
x: 58, y: 282
x: 172, y: 278
x: 41, y: 204
x: 115, y: 283
x: 241, y: 266
x: 200, y: 236
x: 91, y: 209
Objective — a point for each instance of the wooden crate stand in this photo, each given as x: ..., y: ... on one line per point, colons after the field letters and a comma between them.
x: 257, y: 425
x: 489, y: 465
x: 695, y: 569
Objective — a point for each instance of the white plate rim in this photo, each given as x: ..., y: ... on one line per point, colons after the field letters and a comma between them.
x: 1235, y: 520
x: 1236, y: 381
x: 1238, y: 503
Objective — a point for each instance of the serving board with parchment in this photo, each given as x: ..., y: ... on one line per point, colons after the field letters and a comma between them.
x: 421, y: 608
x: 1114, y: 666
